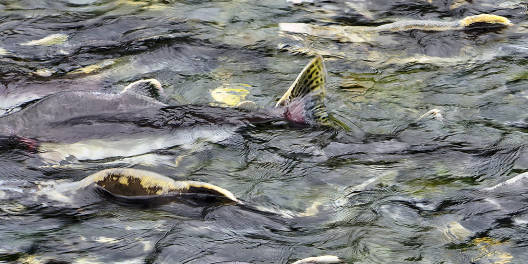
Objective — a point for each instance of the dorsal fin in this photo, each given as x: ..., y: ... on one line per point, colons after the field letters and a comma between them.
x: 148, y: 87
x: 304, y: 100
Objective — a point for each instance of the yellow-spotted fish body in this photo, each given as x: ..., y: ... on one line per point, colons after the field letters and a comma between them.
x: 484, y: 21
x: 140, y: 187
x: 133, y: 187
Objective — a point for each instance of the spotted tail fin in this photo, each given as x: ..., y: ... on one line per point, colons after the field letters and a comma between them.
x: 304, y: 100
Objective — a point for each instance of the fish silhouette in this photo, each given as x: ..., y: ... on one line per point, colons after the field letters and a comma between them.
x: 91, y: 125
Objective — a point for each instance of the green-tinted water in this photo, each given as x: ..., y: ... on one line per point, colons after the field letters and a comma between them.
x: 400, y: 187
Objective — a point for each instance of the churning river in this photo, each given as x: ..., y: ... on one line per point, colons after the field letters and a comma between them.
x: 429, y: 171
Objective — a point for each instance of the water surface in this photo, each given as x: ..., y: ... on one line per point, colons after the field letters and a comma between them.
x: 399, y: 187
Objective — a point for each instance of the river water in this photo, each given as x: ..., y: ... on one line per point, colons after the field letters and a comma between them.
x: 404, y: 185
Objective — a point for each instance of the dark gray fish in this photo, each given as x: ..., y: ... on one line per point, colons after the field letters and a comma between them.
x: 91, y: 126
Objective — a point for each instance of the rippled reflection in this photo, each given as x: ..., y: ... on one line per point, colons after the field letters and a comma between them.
x: 431, y: 171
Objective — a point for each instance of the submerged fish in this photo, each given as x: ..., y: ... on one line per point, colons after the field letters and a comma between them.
x: 145, y: 189
x: 369, y: 34
x: 91, y: 126
x: 135, y: 187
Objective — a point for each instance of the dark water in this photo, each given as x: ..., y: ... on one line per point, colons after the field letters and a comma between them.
x: 399, y: 187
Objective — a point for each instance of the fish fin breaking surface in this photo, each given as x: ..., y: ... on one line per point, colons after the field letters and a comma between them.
x: 148, y: 87
x: 304, y: 100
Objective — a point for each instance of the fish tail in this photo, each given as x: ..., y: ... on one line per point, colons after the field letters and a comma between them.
x: 303, y: 102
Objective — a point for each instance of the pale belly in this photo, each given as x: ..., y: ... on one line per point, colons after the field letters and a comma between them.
x: 132, y: 145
